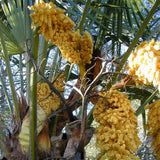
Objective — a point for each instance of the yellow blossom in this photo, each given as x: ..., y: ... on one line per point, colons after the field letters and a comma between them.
x: 47, y: 100
x: 51, y: 20
x: 76, y: 48
x: 117, y: 132
x: 57, y: 27
x: 143, y: 64
x: 153, y: 126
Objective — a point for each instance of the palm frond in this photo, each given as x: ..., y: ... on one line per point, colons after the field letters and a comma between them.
x: 6, y: 94
x: 15, y: 19
x: 6, y: 59
x: 11, y: 40
x: 141, y: 108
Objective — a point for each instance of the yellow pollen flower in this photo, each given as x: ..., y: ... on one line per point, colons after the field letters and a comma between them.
x: 153, y: 126
x: 51, y: 20
x: 57, y: 27
x: 117, y: 132
x: 76, y: 48
x: 47, y: 100
x: 143, y: 64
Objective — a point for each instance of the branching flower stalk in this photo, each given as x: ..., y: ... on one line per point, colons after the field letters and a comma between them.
x: 85, y: 104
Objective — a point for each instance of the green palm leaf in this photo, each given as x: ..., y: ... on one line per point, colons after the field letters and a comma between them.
x: 14, y: 32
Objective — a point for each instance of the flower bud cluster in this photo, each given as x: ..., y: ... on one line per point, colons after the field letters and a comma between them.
x: 153, y: 126
x: 57, y: 27
x: 47, y: 100
x: 144, y: 64
x: 117, y: 132
x: 51, y: 20
x: 76, y: 48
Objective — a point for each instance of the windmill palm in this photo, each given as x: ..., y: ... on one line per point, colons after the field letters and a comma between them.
x: 113, y: 23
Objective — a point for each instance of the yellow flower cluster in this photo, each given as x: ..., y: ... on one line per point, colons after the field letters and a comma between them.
x: 76, y: 48
x: 144, y: 64
x: 47, y: 100
x: 153, y: 126
x: 57, y: 27
x: 117, y: 133
x: 51, y: 20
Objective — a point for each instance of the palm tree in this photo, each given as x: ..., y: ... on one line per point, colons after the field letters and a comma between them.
x: 112, y: 25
